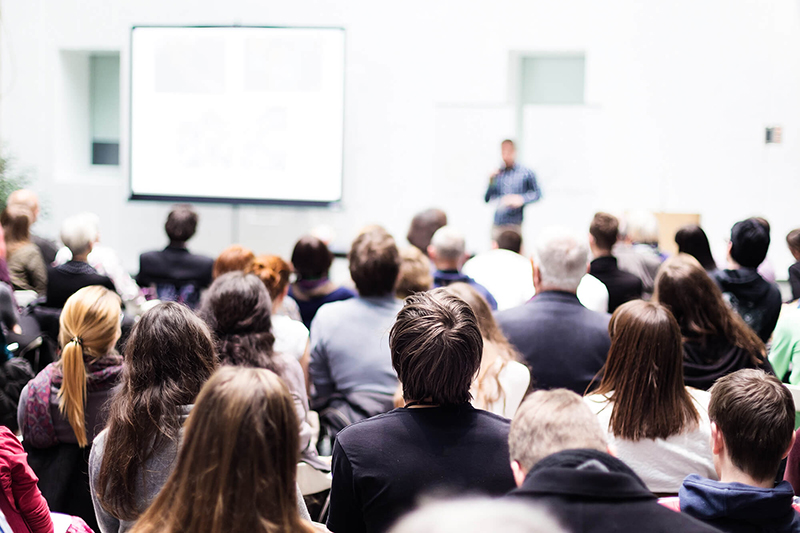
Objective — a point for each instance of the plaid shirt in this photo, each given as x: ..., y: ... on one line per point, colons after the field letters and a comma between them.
x: 514, y: 180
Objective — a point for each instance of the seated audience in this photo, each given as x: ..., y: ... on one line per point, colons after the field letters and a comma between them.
x: 101, y: 258
x: 754, y: 298
x: 784, y: 352
x: 291, y: 336
x: 177, y: 274
x: 752, y: 431
x: 716, y: 341
x: 561, y: 462
x: 238, y: 310
x: 312, y: 260
x: 636, y: 249
x: 477, y: 515
x: 564, y: 344
x: 793, y: 240
x: 62, y: 409
x: 415, y: 273
x: 692, y: 240
x: 79, y: 235
x: 448, y: 254
x: 502, y: 381
x: 438, y: 441
x: 423, y: 226
x: 622, y: 286
x: 15, y: 372
x: 169, y: 355
x: 655, y: 424
x: 232, y: 259
x: 28, y: 199
x: 351, y: 365
x: 25, y: 264
x: 237, y: 466
x: 21, y: 503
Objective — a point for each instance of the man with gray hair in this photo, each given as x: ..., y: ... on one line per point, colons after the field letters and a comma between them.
x: 447, y: 252
x: 27, y: 198
x: 564, y: 344
x: 561, y: 462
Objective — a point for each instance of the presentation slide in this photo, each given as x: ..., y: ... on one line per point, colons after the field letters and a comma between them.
x: 237, y: 113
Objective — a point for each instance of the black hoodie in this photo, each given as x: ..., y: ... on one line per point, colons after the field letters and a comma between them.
x: 754, y: 298
x: 706, y: 362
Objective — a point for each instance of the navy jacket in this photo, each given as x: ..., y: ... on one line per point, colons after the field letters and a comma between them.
x: 564, y: 344
x: 443, y: 278
x: 740, y: 508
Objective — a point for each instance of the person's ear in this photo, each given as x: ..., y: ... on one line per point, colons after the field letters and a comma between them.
x: 717, y: 441
x: 537, y: 276
x: 791, y: 445
x: 588, y: 267
x: 431, y: 253
x: 495, y: 246
x: 519, y: 473
x: 611, y: 450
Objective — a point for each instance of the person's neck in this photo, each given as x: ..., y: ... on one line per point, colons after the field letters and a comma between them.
x: 83, y: 258
x: 730, y: 474
x: 177, y: 244
x: 732, y: 264
x: 512, y: 165
x: 598, y: 253
x: 447, y: 265
x: 547, y: 288
x: 420, y: 404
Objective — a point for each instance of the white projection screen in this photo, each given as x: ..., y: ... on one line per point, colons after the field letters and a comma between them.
x: 237, y: 114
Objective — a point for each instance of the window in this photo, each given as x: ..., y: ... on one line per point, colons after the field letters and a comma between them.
x: 104, y: 107
x: 553, y: 79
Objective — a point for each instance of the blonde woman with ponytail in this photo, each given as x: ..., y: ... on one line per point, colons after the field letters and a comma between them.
x: 64, y: 403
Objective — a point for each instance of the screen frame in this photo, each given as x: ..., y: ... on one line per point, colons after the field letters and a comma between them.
x: 231, y: 200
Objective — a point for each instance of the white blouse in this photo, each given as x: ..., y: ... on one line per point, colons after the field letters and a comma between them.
x: 514, y: 379
x: 291, y: 336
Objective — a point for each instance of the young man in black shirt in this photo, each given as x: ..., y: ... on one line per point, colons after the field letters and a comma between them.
x: 438, y: 443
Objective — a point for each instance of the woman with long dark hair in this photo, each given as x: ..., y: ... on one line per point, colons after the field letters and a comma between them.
x: 237, y: 468
x: 657, y: 425
x: 169, y: 355
x: 692, y: 240
x: 716, y: 340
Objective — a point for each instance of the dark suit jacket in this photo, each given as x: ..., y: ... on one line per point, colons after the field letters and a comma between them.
x: 622, y: 286
x: 65, y: 280
x: 174, y: 271
x: 564, y: 344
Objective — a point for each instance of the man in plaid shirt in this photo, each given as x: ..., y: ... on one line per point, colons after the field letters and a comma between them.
x: 514, y: 186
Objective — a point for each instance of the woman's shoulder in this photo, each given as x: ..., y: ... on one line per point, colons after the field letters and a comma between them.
x: 515, y: 373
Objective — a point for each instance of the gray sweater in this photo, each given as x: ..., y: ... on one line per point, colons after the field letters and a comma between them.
x: 158, y: 469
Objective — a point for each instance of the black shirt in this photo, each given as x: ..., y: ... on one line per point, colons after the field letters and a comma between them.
x: 382, y: 465
x: 622, y: 286
x: 65, y: 280
x: 177, y: 274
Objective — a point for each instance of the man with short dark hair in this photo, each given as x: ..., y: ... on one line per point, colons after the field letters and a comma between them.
x: 752, y: 431
x: 622, y: 286
x: 350, y: 367
x: 438, y: 443
x: 754, y: 298
x: 514, y: 187
x: 423, y: 226
x: 177, y: 274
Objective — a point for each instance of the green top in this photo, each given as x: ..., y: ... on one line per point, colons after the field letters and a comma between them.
x: 786, y: 344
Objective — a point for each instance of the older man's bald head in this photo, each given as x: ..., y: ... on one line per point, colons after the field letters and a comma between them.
x: 26, y: 198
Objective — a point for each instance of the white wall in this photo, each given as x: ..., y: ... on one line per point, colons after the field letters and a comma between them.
x: 678, y: 94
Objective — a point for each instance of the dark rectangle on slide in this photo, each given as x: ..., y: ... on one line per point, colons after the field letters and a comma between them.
x: 105, y: 153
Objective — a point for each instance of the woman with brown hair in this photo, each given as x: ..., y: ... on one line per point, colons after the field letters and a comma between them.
x: 236, y: 470
x: 716, y: 340
x: 233, y: 258
x: 502, y: 382
x: 657, y: 425
x: 25, y: 264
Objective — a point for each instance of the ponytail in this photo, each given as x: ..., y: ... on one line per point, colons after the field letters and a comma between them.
x: 72, y: 394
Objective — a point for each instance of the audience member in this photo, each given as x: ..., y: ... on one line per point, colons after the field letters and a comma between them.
x: 312, y: 260
x: 655, y: 424
x: 28, y: 199
x: 415, y: 273
x: 351, y: 365
x: 752, y: 431
x: 79, y: 235
x: 766, y: 269
x: 784, y: 352
x: 793, y: 240
x: 716, y: 341
x: 423, y: 226
x: 503, y: 271
x: 62, y: 409
x: 169, y: 355
x: 21, y: 503
x: 448, y: 254
x: 176, y: 274
x: 101, y: 258
x: 438, y: 441
x: 238, y: 309
x: 560, y: 461
x: 25, y: 264
x: 477, y: 515
x: 502, y: 380
x: 636, y: 249
x: 754, y: 298
x: 622, y: 286
x: 232, y: 259
x: 692, y: 240
x: 563, y: 343
x: 237, y: 466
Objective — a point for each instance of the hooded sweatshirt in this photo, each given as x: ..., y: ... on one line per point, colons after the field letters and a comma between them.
x: 740, y: 508
x: 754, y: 298
x: 707, y: 360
